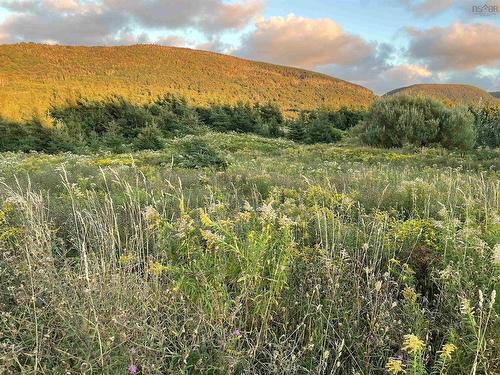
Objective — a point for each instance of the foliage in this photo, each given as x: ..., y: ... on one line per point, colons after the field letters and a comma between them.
x: 53, y: 75
x: 487, y: 125
x: 294, y: 259
x: 194, y: 153
x: 450, y: 94
x: 457, y: 130
x: 421, y: 121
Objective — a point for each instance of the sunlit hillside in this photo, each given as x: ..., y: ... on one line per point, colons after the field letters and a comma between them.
x: 449, y: 93
x: 34, y: 76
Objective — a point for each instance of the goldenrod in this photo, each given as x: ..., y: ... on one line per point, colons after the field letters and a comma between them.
x: 412, y: 344
x: 395, y: 366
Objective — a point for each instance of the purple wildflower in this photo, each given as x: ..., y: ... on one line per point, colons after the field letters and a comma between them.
x: 132, y: 350
x: 132, y: 369
x: 237, y: 332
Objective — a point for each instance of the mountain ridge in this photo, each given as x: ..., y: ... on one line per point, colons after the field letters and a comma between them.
x: 448, y: 93
x: 34, y: 77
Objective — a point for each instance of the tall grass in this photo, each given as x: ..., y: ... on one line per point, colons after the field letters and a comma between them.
x: 354, y: 268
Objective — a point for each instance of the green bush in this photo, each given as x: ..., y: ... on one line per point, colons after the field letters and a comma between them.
x: 421, y: 121
x: 487, y: 125
x: 322, y: 131
x: 195, y: 153
x: 297, y: 131
x: 149, y: 138
x: 457, y: 130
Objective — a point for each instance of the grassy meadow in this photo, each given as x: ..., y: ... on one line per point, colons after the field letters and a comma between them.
x: 278, y: 258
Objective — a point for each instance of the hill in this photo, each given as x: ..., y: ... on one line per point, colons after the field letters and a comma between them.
x: 448, y: 93
x: 496, y: 94
x: 34, y: 76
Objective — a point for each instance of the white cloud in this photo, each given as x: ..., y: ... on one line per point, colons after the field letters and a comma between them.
x: 457, y: 47
x: 303, y: 42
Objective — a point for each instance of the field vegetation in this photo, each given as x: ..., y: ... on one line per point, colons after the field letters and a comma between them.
x: 235, y: 253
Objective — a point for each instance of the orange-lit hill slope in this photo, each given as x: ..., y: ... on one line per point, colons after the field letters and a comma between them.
x: 449, y: 93
x: 34, y: 76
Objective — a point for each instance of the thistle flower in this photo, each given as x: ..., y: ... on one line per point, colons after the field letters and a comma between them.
x: 446, y: 350
x: 237, y: 332
x: 132, y: 369
x: 395, y: 366
x: 412, y: 344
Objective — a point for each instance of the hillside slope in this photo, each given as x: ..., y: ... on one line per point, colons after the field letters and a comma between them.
x: 496, y: 94
x: 33, y: 76
x: 448, y: 93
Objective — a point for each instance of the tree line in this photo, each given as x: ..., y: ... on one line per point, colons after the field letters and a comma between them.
x: 118, y: 125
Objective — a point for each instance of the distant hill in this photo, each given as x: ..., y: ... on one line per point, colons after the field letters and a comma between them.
x: 496, y: 94
x: 34, y: 76
x: 448, y: 93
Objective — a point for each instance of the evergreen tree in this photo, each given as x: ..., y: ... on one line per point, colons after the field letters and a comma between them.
x: 149, y: 138
x: 297, y: 132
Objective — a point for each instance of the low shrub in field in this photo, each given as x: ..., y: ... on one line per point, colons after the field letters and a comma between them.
x: 399, y: 120
x: 317, y: 127
x: 195, y: 153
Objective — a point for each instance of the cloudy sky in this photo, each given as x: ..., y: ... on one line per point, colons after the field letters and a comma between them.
x: 379, y: 44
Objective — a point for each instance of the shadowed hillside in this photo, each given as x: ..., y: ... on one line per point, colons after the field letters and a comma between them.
x: 496, y: 94
x: 34, y: 76
x: 448, y: 93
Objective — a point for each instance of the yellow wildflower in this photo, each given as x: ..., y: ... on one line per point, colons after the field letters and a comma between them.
x: 410, y: 295
x: 394, y: 366
x: 126, y: 258
x: 446, y: 350
x: 205, y: 219
x: 156, y: 268
x: 412, y: 344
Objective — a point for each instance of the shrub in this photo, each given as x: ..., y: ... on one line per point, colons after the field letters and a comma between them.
x: 149, y: 138
x: 487, y: 125
x: 421, y: 121
x: 457, y: 130
x: 195, y: 153
x: 297, y: 131
x: 322, y: 131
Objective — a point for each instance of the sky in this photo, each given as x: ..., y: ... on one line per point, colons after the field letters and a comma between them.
x: 381, y: 45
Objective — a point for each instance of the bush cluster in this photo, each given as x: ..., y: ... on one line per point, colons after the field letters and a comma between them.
x: 399, y: 120
x: 487, y: 124
x: 118, y: 125
x: 323, y: 126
